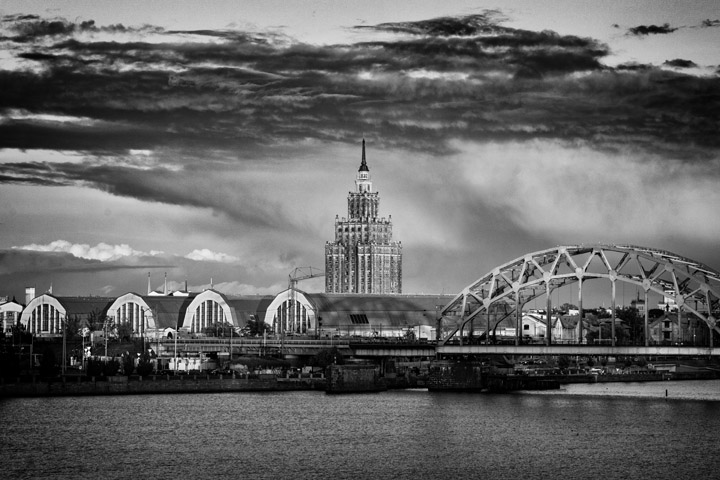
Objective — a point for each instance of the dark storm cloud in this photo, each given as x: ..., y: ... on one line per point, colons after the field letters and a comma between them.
x: 665, y: 28
x: 97, y: 139
x: 26, y: 28
x: 14, y: 261
x: 651, y: 29
x: 466, y: 78
x: 191, y: 187
x: 233, y: 36
x: 484, y: 23
x: 680, y: 63
x: 71, y: 275
x: 633, y: 66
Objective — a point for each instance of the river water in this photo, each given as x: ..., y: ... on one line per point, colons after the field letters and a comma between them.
x: 598, y: 431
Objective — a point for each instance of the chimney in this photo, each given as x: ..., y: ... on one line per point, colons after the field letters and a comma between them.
x: 149, y: 287
x: 186, y: 290
x: 165, y: 287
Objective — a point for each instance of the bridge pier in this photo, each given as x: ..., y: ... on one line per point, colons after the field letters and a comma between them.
x: 448, y: 375
x: 354, y: 379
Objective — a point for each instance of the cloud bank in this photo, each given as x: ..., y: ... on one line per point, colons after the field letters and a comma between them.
x: 106, y: 253
x: 527, y: 137
x: 101, y: 252
x: 204, y: 254
x: 202, y: 109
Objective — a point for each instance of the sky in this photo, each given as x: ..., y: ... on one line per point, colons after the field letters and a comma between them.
x: 216, y: 142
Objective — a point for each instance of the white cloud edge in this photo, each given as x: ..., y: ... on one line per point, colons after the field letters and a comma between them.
x: 105, y: 252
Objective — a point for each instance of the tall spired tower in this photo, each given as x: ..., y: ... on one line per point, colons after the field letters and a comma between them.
x: 363, y: 258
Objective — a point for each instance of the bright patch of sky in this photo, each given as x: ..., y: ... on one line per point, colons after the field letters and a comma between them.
x: 16, y: 114
x: 204, y: 254
x: 102, y: 251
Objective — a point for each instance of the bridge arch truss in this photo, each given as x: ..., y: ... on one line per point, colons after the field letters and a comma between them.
x: 504, y: 291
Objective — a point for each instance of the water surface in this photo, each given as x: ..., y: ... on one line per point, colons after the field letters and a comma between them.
x: 595, y: 431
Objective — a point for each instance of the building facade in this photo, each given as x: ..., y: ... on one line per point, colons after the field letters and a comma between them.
x: 363, y: 258
x: 10, y: 311
x: 197, y: 314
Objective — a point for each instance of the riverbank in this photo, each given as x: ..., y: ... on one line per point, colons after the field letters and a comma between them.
x: 169, y: 384
x: 156, y: 384
x: 636, y: 377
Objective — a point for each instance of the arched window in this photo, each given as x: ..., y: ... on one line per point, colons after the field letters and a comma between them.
x: 208, y: 315
x: 291, y: 317
x: 133, y: 313
x: 44, y: 315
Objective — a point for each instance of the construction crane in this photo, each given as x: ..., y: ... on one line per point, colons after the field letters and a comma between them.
x: 303, y: 273
x: 297, y: 275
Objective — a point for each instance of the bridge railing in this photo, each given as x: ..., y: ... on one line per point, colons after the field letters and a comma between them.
x: 358, y: 340
x: 255, y: 341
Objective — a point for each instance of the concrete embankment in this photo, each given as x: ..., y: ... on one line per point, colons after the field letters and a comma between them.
x: 156, y: 385
x: 446, y: 375
x: 636, y: 377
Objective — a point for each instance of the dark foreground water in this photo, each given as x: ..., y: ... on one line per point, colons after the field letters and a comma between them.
x: 617, y: 431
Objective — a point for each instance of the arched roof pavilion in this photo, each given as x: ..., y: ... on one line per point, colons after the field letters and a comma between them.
x: 358, y: 314
x: 45, y: 314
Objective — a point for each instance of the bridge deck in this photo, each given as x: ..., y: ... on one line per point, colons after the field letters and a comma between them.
x: 657, y: 350
x: 374, y: 348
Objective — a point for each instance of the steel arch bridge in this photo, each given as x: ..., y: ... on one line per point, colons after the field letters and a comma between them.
x: 504, y: 291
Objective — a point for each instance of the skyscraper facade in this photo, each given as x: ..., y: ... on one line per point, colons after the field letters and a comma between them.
x: 363, y: 258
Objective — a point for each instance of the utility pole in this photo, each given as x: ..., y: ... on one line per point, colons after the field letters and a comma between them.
x: 142, y: 329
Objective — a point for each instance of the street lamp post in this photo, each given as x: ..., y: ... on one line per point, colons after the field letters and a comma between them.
x: 175, y: 360
x: 64, y: 349
x: 82, y: 334
x: 105, y: 330
x: 231, y: 339
x: 157, y: 353
x: 142, y: 329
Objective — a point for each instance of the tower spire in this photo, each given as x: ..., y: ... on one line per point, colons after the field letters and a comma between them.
x: 362, y: 180
x: 363, y: 163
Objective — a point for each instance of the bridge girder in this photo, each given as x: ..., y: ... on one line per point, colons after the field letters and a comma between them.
x: 540, y: 273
